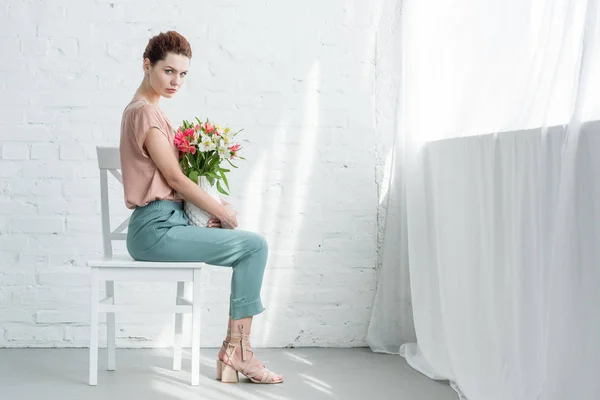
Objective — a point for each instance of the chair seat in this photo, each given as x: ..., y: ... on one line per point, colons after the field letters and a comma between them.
x: 125, y: 261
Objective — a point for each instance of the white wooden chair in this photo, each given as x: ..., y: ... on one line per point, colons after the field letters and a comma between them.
x: 123, y: 268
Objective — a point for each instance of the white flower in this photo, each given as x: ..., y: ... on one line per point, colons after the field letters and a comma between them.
x: 225, y: 141
x: 206, y: 144
x: 195, y: 139
x: 223, y: 152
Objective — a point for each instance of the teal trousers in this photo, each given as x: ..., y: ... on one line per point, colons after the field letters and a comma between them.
x: 160, y: 231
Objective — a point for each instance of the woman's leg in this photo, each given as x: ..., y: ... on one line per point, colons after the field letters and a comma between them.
x: 164, y: 235
x: 246, y: 252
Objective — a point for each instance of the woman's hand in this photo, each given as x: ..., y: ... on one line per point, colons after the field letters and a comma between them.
x: 214, y: 222
x: 231, y: 221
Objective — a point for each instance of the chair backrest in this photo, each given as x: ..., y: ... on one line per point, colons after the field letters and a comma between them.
x: 109, y: 160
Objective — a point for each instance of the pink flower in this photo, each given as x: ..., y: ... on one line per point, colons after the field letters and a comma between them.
x: 188, y: 133
x: 234, y: 149
x: 186, y: 147
x: 197, y: 127
x: 208, y: 127
x: 179, y: 138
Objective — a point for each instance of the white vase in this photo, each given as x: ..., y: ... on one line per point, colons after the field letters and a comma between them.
x: 196, y: 215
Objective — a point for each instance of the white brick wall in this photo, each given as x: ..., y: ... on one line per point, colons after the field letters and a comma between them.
x: 299, y: 77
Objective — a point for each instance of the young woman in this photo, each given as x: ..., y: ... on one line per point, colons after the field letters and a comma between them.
x: 155, y: 187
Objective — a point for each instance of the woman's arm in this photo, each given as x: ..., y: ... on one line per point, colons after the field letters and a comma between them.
x: 161, y: 153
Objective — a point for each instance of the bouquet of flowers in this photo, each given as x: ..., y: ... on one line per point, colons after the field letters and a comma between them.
x: 203, y: 148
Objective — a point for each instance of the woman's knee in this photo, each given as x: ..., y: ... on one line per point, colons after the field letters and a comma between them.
x: 256, y: 242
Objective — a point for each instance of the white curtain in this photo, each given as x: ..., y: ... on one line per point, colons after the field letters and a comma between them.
x: 496, y: 170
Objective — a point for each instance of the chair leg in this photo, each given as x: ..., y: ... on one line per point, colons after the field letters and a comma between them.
x: 110, y: 328
x: 178, y: 329
x: 196, y: 329
x: 94, y: 299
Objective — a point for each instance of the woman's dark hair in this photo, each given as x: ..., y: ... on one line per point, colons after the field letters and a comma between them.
x: 163, y: 43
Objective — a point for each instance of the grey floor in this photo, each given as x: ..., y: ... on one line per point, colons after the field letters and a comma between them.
x: 310, y: 373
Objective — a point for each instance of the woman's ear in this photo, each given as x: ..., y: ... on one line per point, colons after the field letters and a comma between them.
x: 146, y: 65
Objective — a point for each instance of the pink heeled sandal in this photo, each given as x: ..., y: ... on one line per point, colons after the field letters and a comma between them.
x: 228, y: 370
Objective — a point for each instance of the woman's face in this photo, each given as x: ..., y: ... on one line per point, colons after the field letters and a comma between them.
x: 167, y: 76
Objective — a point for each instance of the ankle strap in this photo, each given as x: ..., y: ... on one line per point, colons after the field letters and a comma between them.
x: 242, y: 340
x: 240, y: 334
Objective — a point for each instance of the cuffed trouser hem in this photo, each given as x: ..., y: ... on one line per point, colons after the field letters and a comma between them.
x: 246, y: 309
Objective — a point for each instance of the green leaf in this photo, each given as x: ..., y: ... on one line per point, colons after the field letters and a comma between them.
x: 215, y: 160
x: 220, y: 189
x: 193, y: 176
x: 210, y: 180
x: 224, y: 169
x: 231, y: 163
x: 224, y: 179
x: 212, y: 175
x: 189, y: 163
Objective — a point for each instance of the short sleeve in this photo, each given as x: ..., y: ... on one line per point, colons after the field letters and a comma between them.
x: 146, y: 117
